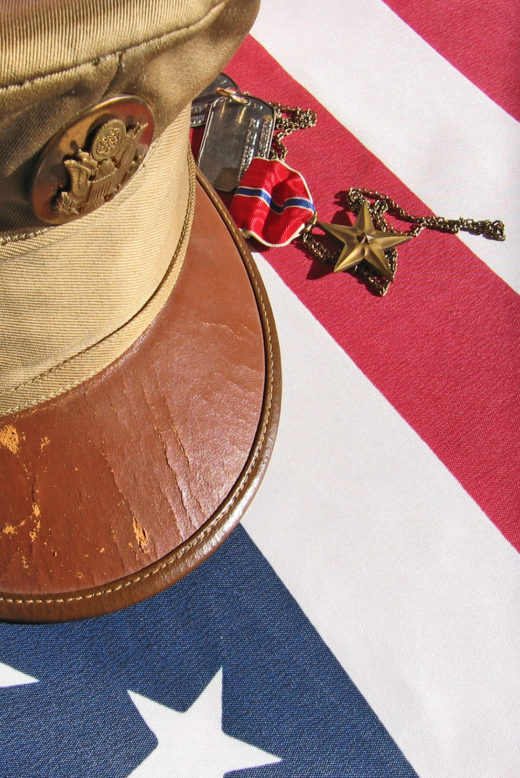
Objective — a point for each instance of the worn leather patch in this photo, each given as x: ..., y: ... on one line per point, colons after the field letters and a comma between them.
x: 116, y: 489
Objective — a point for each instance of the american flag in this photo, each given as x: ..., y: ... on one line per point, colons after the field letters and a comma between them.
x: 364, y: 620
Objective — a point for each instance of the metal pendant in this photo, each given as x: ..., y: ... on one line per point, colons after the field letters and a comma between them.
x: 203, y: 102
x: 239, y: 127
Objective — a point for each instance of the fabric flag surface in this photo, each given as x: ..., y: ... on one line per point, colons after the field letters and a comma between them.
x: 364, y: 620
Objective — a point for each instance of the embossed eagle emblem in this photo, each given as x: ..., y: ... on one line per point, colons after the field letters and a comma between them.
x: 96, y: 175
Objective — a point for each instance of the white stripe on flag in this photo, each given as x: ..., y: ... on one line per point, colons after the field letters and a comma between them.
x: 402, y: 100
x: 407, y: 581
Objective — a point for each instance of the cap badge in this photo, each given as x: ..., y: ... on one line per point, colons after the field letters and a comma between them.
x: 88, y: 163
x: 97, y: 175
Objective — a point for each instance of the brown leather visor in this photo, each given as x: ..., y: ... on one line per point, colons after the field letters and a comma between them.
x: 115, y: 489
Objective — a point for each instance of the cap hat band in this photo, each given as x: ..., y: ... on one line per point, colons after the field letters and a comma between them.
x: 73, y: 298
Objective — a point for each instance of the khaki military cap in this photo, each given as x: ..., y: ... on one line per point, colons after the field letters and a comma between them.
x: 139, y: 369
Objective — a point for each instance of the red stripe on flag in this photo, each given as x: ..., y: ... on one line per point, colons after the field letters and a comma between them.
x: 491, y: 29
x: 442, y: 346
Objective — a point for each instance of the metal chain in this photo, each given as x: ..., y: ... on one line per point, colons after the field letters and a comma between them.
x: 354, y: 199
x: 380, y: 205
x: 289, y: 119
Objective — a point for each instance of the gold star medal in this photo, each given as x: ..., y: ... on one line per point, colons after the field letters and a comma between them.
x: 368, y: 247
x: 272, y: 203
x: 362, y: 242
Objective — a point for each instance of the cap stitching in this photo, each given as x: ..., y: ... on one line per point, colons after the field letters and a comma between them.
x: 22, y: 236
x: 96, y: 60
x: 202, y: 534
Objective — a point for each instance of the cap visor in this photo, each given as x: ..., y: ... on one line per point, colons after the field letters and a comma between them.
x: 116, y: 489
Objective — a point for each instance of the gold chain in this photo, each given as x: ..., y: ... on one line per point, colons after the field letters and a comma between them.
x: 382, y: 204
x: 289, y: 119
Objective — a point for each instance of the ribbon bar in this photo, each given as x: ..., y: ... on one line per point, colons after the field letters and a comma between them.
x: 272, y: 202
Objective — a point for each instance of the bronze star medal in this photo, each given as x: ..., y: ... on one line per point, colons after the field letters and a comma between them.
x: 363, y: 242
x: 366, y: 247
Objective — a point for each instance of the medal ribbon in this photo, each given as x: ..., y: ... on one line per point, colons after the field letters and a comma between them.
x: 272, y: 202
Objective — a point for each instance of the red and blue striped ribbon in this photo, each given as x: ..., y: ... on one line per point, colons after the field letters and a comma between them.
x: 272, y: 203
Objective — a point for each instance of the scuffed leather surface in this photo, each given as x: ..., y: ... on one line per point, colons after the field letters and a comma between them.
x: 163, y: 449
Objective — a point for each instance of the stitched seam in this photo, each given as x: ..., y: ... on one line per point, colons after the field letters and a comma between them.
x: 239, y: 490
x: 180, y: 246
x: 117, y: 52
x: 22, y: 236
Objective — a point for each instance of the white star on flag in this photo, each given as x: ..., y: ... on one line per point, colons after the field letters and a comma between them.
x: 11, y: 677
x: 193, y: 743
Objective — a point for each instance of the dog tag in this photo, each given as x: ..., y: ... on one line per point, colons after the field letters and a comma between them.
x: 202, y: 103
x: 239, y: 127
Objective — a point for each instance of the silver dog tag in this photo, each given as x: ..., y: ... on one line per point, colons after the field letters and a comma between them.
x: 202, y: 103
x: 239, y: 127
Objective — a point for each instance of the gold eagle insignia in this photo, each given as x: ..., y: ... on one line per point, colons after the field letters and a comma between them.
x: 97, y: 174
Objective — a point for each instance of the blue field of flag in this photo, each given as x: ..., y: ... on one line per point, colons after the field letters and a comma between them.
x: 224, y: 661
